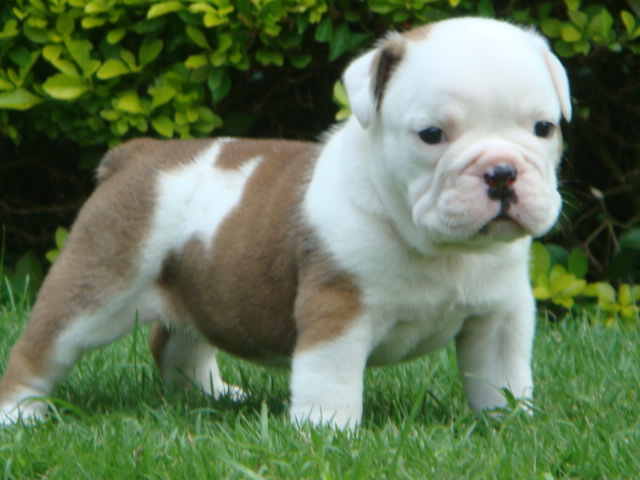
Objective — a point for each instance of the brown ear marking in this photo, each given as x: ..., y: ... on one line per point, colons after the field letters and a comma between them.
x: 389, y: 57
x: 383, y: 66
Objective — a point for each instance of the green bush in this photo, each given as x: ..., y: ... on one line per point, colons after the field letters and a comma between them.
x: 78, y: 76
x: 558, y: 281
x: 96, y: 71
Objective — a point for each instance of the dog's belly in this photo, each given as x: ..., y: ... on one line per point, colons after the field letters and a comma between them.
x: 242, y: 314
x: 410, y: 339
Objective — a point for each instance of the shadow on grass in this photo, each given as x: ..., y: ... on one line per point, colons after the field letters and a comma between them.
x: 96, y: 388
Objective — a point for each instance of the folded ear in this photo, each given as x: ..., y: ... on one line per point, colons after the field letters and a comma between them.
x: 560, y: 82
x: 366, y: 78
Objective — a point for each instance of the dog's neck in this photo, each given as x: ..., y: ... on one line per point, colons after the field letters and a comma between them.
x: 370, y: 192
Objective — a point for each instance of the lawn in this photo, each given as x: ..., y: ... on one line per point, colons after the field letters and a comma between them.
x: 113, y: 419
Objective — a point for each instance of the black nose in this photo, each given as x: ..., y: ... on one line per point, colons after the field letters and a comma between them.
x: 500, y: 180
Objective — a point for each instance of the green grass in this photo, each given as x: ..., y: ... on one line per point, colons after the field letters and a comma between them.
x: 114, y: 419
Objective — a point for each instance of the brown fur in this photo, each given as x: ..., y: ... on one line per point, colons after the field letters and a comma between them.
x: 154, y: 154
x: 266, y: 287
x: 241, y: 293
x: 101, y: 252
x: 328, y: 301
x: 418, y: 34
x: 235, y: 154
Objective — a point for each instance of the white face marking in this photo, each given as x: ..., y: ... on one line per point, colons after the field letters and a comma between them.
x: 486, y: 99
x: 407, y: 218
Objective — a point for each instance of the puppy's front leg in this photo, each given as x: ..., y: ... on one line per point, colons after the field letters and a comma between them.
x: 494, y: 352
x: 327, y: 378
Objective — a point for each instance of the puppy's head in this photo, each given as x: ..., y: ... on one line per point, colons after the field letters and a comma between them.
x: 464, y: 118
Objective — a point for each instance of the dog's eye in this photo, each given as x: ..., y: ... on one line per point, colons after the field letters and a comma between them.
x: 432, y: 135
x: 543, y: 129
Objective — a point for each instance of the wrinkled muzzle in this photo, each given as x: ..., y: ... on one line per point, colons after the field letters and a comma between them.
x: 498, y: 191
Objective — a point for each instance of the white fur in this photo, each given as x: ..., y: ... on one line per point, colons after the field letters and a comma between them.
x: 192, y: 202
x: 411, y: 214
x: 358, y: 82
x: 327, y: 381
x: 189, y: 359
x: 24, y: 404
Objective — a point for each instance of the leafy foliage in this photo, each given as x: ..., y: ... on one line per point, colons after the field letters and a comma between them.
x: 589, y: 27
x: 557, y: 283
x: 622, y: 306
x: 60, y: 239
x: 558, y: 278
x: 99, y: 70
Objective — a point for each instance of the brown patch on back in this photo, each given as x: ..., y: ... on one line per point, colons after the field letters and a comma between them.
x: 241, y: 291
x: 158, y: 154
x: 103, y: 246
x: 236, y: 153
x: 383, y: 66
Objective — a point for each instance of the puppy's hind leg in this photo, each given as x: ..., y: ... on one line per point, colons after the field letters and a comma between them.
x: 103, y: 275
x: 186, y: 359
x: 74, y: 312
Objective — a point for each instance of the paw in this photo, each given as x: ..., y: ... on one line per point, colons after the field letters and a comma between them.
x: 29, y: 412
x: 341, y: 418
x: 232, y: 392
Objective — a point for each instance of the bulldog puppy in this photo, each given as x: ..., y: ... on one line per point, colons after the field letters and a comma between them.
x: 408, y: 227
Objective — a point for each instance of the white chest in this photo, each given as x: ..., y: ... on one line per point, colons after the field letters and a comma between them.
x: 421, y: 319
x: 421, y: 306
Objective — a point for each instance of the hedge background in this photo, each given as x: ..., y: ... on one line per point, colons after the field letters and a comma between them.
x: 78, y: 76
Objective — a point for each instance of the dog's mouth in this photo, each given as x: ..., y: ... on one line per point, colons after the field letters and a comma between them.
x: 503, y: 227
